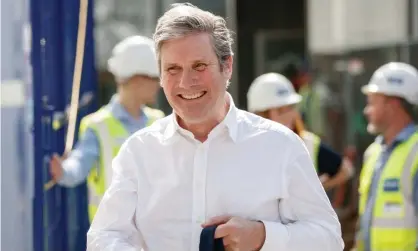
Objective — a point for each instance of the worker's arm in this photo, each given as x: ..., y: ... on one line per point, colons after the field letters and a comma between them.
x: 312, y: 223
x: 113, y: 227
x: 337, y: 169
x: 80, y: 161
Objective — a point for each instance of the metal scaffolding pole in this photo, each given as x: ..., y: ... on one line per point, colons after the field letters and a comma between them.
x: 405, y: 54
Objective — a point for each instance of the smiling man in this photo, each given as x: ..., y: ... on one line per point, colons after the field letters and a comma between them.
x: 210, y: 164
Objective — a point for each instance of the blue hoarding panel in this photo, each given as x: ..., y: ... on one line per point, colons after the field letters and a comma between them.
x: 60, y: 215
x: 49, y: 206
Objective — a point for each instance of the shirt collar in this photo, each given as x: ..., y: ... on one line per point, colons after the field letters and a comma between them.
x: 402, y: 136
x: 230, y: 122
x: 120, y: 112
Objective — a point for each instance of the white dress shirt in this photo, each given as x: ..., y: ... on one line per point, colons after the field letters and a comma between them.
x: 166, y: 184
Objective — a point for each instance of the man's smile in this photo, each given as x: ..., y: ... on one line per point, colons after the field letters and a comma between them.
x: 192, y: 96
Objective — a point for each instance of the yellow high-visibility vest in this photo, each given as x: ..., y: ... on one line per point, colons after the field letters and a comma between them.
x: 111, y: 134
x: 312, y: 143
x: 394, y: 223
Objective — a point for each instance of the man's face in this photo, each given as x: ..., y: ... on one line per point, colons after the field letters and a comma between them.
x: 143, y: 88
x: 285, y: 115
x: 192, y: 79
x: 377, y: 111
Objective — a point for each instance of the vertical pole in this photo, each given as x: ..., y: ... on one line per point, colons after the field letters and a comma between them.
x: 161, y: 99
x: 405, y: 48
x: 414, y: 20
x: 150, y: 17
x: 348, y: 103
x: 76, y: 222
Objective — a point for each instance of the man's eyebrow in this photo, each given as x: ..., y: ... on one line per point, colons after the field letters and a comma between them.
x: 200, y: 60
x: 196, y: 61
x: 205, y: 61
x: 166, y: 65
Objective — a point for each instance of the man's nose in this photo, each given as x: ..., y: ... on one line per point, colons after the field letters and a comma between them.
x: 188, y: 79
x: 366, y: 110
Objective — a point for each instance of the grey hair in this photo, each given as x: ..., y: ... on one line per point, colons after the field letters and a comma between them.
x: 183, y: 19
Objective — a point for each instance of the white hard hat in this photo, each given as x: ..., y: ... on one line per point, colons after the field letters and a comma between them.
x: 134, y: 55
x: 271, y: 90
x: 395, y: 79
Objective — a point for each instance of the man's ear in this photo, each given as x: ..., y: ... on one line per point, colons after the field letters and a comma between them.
x: 227, y: 67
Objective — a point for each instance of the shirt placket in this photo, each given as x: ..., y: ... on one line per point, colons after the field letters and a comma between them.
x: 199, y: 193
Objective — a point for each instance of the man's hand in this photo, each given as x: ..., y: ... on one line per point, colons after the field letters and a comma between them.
x: 55, y: 167
x: 238, y: 234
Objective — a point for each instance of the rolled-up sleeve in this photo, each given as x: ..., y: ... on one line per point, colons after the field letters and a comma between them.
x: 308, y: 221
x: 113, y: 227
x: 80, y: 161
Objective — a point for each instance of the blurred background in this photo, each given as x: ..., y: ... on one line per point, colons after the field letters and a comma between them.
x: 331, y: 46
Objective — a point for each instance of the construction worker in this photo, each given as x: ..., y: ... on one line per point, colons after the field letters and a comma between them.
x: 272, y: 96
x: 388, y: 199
x: 134, y: 65
x: 313, y: 95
